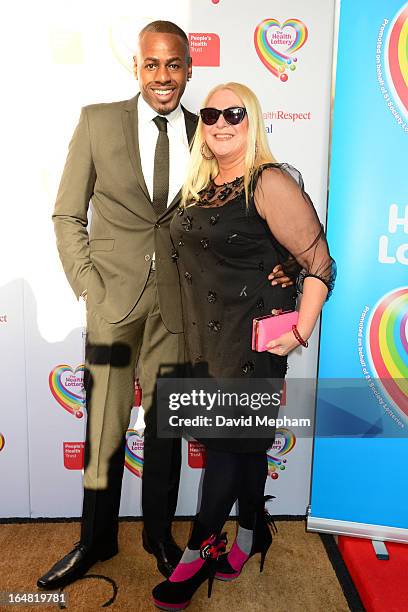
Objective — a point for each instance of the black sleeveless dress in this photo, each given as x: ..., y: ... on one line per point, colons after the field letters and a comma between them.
x: 225, y: 251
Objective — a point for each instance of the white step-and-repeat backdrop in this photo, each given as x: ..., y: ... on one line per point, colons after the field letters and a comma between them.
x: 60, y: 56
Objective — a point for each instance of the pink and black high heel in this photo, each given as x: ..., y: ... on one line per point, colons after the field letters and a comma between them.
x: 230, y: 565
x: 176, y: 592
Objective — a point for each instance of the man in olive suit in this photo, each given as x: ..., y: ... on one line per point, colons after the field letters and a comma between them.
x: 129, y: 158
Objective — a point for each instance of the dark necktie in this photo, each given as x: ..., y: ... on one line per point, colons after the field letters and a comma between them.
x: 161, y: 167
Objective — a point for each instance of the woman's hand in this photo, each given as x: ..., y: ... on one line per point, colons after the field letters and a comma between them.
x: 283, y: 345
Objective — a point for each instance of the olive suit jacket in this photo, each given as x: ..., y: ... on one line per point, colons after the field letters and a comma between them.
x: 112, y: 261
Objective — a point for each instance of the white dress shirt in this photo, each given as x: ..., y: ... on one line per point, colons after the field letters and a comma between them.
x: 178, y: 146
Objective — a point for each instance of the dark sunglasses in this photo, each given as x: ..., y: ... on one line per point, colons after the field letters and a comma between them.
x: 232, y: 115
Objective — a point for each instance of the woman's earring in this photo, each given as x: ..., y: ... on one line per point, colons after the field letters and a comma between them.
x: 205, y: 154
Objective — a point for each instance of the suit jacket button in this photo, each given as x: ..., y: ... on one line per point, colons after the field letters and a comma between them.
x: 157, y: 225
x: 147, y: 257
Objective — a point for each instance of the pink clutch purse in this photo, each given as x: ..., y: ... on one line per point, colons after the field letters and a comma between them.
x: 269, y: 327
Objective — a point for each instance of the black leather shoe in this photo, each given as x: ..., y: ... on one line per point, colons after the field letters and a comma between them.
x: 71, y: 567
x: 166, y: 551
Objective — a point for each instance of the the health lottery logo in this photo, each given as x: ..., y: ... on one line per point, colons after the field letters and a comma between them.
x: 396, y: 57
x: 284, y: 442
x: 134, y: 452
x: 276, y: 44
x: 67, y: 386
x: 387, y: 341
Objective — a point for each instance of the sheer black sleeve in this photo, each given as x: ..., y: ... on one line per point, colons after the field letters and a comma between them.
x: 280, y: 198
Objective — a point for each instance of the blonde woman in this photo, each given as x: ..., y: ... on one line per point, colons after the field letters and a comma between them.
x: 242, y: 214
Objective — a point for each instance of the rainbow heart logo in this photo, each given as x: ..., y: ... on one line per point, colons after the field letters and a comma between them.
x: 396, y: 57
x: 387, y: 343
x: 276, y: 44
x: 67, y: 386
x: 284, y: 442
x: 134, y: 452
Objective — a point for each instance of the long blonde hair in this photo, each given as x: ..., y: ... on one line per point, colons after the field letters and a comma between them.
x: 200, y: 170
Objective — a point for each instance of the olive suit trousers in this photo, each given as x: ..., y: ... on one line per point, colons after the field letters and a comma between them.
x: 112, y: 352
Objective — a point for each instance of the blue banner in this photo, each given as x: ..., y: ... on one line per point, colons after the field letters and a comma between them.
x: 360, y: 472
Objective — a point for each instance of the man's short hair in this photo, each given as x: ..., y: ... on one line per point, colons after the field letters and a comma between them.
x: 166, y: 27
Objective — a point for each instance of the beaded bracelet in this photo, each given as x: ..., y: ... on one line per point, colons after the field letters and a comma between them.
x: 299, y: 337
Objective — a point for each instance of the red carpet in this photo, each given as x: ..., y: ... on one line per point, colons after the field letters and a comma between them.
x: 382, y: 585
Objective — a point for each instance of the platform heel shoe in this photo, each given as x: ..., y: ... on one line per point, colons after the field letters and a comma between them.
x: 230, y: 565
x: 177, y: 591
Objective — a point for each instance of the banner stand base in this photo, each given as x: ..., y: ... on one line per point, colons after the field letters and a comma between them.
x: 380, y: 533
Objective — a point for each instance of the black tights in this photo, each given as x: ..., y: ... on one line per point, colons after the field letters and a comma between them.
x: 230, y: 477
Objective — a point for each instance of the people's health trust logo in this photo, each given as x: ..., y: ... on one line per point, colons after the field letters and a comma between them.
x: 277, y: 45
x: 67, y: 387
x: 387, y: 346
